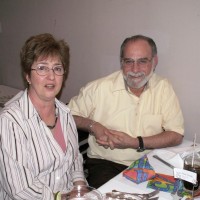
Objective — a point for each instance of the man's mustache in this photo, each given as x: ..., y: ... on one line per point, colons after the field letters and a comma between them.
x: 135, y: 75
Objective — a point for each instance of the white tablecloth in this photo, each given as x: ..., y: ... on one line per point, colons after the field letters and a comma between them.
x: 122, y: 184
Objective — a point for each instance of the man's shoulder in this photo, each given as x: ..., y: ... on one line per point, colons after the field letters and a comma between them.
x: 160, y: 85
x: 159, y: 80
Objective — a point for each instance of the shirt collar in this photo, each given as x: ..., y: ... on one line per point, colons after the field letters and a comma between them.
x: 28, y: 108
x: 118, y: 82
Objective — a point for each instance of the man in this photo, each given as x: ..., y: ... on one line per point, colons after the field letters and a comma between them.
x: 128, y: 113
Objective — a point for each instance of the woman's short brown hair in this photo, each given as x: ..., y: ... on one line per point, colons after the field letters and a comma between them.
x: 44, y: 45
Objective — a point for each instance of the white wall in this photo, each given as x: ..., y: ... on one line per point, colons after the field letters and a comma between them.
x: 95, y: 30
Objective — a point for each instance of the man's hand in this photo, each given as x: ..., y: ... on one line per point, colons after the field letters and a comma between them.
x: 119, y: 140
x: 116, y: 139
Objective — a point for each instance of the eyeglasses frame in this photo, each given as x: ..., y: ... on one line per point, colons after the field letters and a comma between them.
x: 37, y: 68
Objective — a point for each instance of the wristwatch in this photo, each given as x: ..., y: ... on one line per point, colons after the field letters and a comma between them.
x: 141, y: 144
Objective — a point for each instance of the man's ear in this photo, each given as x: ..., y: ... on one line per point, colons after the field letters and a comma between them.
x: 155, y: 62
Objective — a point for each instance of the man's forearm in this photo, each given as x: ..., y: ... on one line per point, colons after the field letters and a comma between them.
x: 162, y: 140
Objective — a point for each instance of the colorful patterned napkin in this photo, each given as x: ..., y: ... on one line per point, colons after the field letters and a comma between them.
x: 164, y: 183
x: 139, y: 171
x: 169, y: 184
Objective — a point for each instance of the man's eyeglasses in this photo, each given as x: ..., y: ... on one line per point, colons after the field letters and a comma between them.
x: 43, y: 70
x: 141, y: 62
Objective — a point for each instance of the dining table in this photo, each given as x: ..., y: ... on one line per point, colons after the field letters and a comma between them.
x: 170, y: 154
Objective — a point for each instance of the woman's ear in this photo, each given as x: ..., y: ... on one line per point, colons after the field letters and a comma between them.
x: 28, y: 79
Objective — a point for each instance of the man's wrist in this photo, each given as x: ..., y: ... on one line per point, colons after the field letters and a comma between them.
x: 141, y: 147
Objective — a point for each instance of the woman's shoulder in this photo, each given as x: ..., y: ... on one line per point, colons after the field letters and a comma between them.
x: 12, y: 113
x: 13, y: 109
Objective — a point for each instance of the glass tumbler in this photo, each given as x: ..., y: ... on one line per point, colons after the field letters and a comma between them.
x: 192, y: 163
x: 84, y: 192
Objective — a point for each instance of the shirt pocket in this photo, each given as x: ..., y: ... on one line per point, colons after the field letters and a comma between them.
x: 151, y: 125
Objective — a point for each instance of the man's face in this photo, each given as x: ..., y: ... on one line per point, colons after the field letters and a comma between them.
x: 138, y: 64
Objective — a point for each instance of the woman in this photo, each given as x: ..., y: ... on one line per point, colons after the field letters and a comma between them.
x: 39, y: 153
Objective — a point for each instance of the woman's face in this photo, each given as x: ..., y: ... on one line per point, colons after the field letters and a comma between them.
x: 45, y: 87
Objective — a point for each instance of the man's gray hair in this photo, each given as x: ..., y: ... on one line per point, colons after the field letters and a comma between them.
x: 136, y: 38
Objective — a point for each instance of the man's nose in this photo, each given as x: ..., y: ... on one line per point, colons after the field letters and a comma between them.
x: 135, y: 67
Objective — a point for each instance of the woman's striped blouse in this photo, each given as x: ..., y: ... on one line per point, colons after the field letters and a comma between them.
x: 33, y: 165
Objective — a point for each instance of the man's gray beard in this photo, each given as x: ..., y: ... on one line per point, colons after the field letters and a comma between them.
x: 135, y: 84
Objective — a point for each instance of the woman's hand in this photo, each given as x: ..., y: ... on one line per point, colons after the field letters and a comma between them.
x: 119, y: 140
x: 99, y: 132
